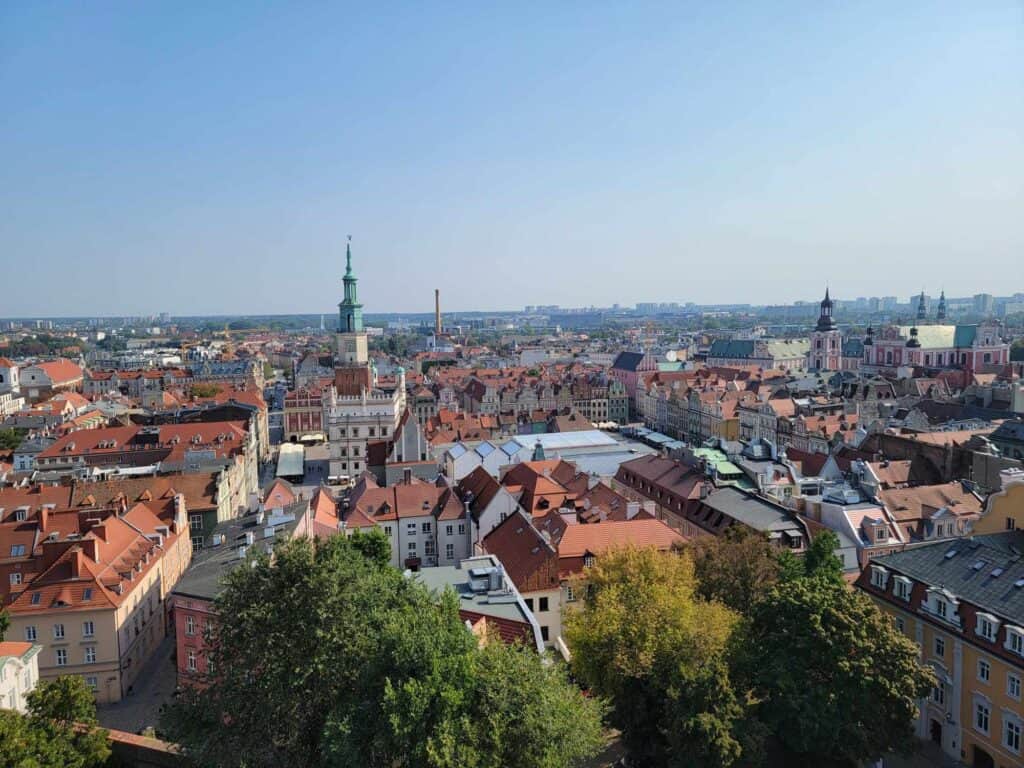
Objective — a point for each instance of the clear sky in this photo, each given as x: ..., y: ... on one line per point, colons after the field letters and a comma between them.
x: 211, y: 157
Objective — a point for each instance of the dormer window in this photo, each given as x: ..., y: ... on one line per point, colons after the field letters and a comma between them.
x: 987, y: 626
x: 1014, y: 640
x: 588, y: 561
x: 879, y: 576
x: 901, y: 587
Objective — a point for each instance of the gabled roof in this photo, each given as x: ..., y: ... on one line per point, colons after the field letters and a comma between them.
x: 580, y: 540
x: 521, y: 548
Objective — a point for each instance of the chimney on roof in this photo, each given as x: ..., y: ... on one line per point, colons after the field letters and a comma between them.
x: 407, y: 475
x: 99, y: 531
x: 44, y: 514
x: 632, y: 509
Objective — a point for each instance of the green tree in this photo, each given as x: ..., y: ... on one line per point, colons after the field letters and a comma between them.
x: 837, y: 684
x: 5, y: 623
x: 328, y: 656
x: 204, y: 389
x: 60, y: 729
x: 649, y: 644
x: 736, y: 568
x: 820, y: 559
x: 10, y: 438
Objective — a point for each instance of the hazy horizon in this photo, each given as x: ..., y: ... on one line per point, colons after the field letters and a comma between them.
x: 210, y: 160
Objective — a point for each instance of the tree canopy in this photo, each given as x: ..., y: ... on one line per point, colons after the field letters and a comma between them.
x: 648, y: 643
x: 329, y: 657
x: 48, y: 736
x: 838, y: 685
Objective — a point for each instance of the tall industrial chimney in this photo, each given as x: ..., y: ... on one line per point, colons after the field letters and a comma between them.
x: 437, y: 311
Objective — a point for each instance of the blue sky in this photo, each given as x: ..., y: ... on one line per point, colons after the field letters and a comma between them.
x: 211, y: 157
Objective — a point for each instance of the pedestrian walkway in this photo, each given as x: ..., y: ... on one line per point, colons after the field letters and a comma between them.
x: 152, y: 689
x: 928, y: 755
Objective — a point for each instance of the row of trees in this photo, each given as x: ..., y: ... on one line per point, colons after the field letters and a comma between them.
x: 332, y: 657
x: 729, y: 654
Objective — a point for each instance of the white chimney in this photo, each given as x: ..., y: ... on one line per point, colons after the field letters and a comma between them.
x: 632, y: 509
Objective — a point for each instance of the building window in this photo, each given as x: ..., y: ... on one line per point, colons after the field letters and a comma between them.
x: 570, y: 596
x: 192, y: 665
x: 412, y: 548
x: 387, y: 531
x: 543, y: 604
x: 939, y: 695
x: 426, y: 527
x: 987, y: 626
x: 1011, y: 734
x: 15, y: 579
x: 449, y: 530
x: 92, y: 683
x: 879, y: 577
x: 529, y: 602
x: 942, y: 608
x: 1013, y: 686
x: 410, y: 529
x: 88, y: 629
x: 197, y: 543
x: 62, y: 657
x: 940, y: 646
x: 449, y: 551
x: 428, y: 548
x: 90, y: 655
x: 588, y: 561
x: 30, y: 633
x: 58, y: 631
x: 981, y: 716
x: 190, y: 625
x: 900, y: 624
x: 1015, y: 640
x: 984, y: 670
x: 901, y: 585
x: 462, y: 529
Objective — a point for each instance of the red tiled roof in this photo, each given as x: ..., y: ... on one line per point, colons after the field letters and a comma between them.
x: 60, y: 371
x: 578, y: 540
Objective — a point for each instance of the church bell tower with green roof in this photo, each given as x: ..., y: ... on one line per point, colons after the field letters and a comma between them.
x: 352, y: 344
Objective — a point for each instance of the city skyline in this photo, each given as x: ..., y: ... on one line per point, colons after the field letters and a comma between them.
x: 211, y: 161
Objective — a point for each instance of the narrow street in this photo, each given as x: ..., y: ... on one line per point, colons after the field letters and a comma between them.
x: 153, y: 688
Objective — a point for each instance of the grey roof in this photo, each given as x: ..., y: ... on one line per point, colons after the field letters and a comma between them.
x: 209, y: 565
x: 731, y: 348
x: 751, y: 510
x: 957, y: 573
x: 628, y: 361
x: 1010, y: 431
x: 454, y: 576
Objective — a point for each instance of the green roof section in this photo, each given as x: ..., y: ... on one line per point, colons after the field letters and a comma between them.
x: 943, y: 336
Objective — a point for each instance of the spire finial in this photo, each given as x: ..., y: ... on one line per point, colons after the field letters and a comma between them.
x: 348, y: 257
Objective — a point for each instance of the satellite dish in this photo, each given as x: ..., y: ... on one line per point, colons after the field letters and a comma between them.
x: 671, y: 356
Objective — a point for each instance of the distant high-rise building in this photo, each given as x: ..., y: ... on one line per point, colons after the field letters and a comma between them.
x: 984, y: 303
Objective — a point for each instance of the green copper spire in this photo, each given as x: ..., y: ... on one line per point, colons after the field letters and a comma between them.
x: 350, y: 311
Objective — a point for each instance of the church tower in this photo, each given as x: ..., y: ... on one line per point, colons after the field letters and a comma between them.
x: 826, y: 341
x: 352, y: 346
x: 352, y: 372
x: 940, y: 315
